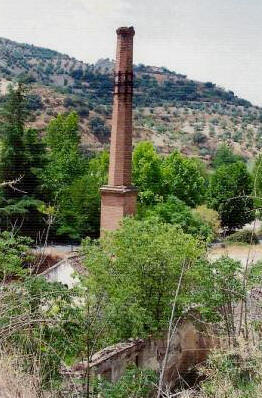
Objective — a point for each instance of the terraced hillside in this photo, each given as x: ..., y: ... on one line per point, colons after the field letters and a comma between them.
x: 170, y: 109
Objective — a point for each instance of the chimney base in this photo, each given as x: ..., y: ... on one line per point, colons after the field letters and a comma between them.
x: 116, y: 203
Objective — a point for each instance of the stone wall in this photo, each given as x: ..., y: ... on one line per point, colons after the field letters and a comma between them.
x: 188, y: 347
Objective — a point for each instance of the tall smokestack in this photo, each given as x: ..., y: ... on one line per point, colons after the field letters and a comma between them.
x: 118, y: 198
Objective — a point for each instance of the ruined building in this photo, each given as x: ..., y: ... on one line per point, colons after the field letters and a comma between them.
x: 118, y: 198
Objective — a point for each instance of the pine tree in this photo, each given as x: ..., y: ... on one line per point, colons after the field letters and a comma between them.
x: 13, y: 117
x: 22, y: 154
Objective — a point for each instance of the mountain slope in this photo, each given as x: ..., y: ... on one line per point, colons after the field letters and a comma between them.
x: 170, y: 109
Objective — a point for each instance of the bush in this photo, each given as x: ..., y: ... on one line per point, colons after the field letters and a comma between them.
x: 134, y: 383
x: 199, y: 138
x: 68, y: 102
x: 230, y: 191
x: 175, y: 211
x: 14, y: 254
x: 140, y: 288
x: 235, y: 373
x: 225, y: 156
x: 209, y: 216
x: 243, y: 236
x: 83, y: 111
x: 34, y: 102
x: 98, y: 127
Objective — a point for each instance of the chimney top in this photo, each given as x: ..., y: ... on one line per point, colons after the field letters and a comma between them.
x: 124, y: 30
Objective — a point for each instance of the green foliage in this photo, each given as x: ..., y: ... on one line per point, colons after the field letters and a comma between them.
x: 44, y: 323
x: 35, y: 155
x: 62, y: 132
x: 235, y: 372
x: 224, y: 156
x: 98, y: 127
x: 146, y: 168
x: 218, y: 286
x: 244, y: 236
x: 122, y: 296
x: 22, y: 155
x: 14, y: 255
x: 174, y: 211
x: 13, y: 117
x: 34, y: 102
x: 157, y: 177
x: 183, y: 178
x: 79, y: 213
x: 257, y: 174
x: 134, y: 383
x: 139, y: 288
x: 209, y: 217
x: 72, y: 181
x: 229, y: 194
x: 199, y: 138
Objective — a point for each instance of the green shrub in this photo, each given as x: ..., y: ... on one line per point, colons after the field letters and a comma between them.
x: 14, y: 254
x: 243, y: 236
x: 133, y: 384
x: 235, y: 373
x: 175, y: 211
x: 98, y: 127
x: 140, y: 288
x: 199, y: 138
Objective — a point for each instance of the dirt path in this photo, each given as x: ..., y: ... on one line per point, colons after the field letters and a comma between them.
x: 237, y: 252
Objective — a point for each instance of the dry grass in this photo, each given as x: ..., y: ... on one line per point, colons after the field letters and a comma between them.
x: 14, y: 383
x: 234, y: 373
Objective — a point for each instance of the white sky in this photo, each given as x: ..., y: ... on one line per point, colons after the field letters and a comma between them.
x: 209, y: 40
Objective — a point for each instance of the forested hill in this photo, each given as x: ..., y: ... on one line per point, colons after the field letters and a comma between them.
x: 170, y: 109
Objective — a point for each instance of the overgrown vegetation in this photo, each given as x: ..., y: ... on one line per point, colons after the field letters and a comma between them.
x: 134, y: 383
x: 57, y: 185
x: 245, y: 236
x: 56, y: 326
x: 235, y: 372
x: 153, y: 268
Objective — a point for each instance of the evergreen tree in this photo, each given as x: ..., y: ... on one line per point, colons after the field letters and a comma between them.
x: 22, y: 155
x: 13, y: 158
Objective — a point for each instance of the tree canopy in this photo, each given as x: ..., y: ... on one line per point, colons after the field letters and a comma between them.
x: 139, y: 288
x: 22, y: 155
x: 230, y: 193
x: 225, y: 155
x: 183, y: 178
x: 147, y: 172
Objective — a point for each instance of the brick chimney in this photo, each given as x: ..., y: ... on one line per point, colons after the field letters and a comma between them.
x: 118, y: 198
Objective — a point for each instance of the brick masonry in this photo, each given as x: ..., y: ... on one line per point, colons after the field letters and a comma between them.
x: 118, y: 198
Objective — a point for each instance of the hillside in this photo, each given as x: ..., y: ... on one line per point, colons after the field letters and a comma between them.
x: 170, y: 109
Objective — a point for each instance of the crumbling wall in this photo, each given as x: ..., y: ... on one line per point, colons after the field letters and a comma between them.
x: 188, y: 347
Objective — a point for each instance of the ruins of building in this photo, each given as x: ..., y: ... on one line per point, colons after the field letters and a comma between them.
x: 118, y: 198
x: 66, y: 271
x: 188, y: 347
